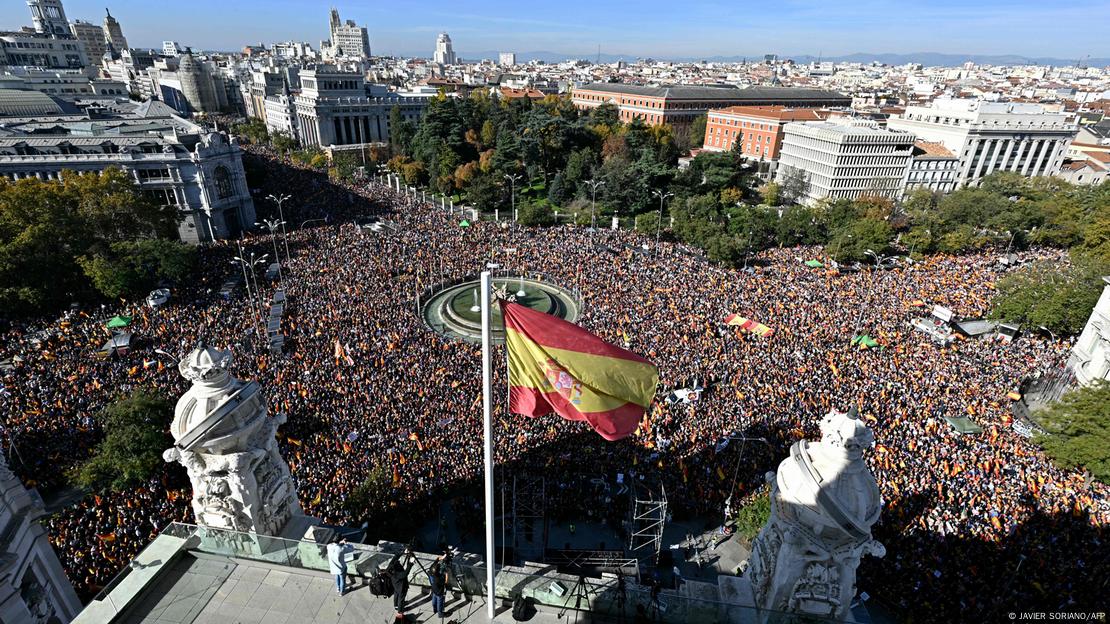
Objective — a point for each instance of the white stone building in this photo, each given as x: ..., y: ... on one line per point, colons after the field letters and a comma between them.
x: 507, y: 59
x: 1090, y: 357
x: 845, y: 158
x: 932, y: 167
x: 113, y: 33
x: 444, y: 54
x: 33, y: 586
x: 992, y: 136
x: 173, y: 160
x: 92, y: 37
x: 338, y: 108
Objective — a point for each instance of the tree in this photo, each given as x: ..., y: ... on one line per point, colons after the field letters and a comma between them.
x: 697, y: 131
x: 371, y: 495
x: 537, y: 213
x: 134, y: 437
x: 1077, y: 430
x: 283, y: 142
x: 133, y: 268
x: 753, y: 514
x: 772, y: 193
x: 853, y: 241
x: 253, y: 130
x: 1049, y: 295
x: 647, y: 222
x: 793, y: 185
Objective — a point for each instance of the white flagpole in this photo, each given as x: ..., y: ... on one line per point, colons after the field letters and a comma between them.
x: 487, y: 408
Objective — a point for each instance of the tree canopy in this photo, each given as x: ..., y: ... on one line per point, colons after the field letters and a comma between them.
x: 1078, y: 430
x: 135, y: 434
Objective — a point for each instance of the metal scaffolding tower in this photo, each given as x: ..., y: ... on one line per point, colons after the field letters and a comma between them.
x: 528, y: 521
x: 649, y: 515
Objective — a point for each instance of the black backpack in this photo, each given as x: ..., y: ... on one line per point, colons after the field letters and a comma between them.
x: 381, y: 585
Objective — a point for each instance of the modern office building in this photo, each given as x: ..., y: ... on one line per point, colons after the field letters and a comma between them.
x: 174, y: 161
x: 348, y: 40
x: 845, y: 158
x: 679, y: 105
x: 444, y: 54
x: 759, y: 129
x: 933, y: 167
x: 171, y: 48
x: 33, y: 585
x: 336, y: 107
x: 992, y: 136
x: 507, y: 59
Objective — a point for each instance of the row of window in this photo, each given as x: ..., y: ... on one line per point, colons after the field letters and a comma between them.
x: 31, y: 45
x: 736, y: 122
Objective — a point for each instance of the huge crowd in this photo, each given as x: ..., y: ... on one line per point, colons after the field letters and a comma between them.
x: 972, y: 523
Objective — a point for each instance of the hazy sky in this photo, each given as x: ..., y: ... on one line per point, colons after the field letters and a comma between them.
x: 640, y: 28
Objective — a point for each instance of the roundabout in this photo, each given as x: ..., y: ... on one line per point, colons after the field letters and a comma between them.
x: 454, y: 309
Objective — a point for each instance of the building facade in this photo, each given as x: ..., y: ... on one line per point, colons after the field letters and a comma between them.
x: 1090, y: 357
x: 758, y: 129
x: 173, y: 161
x: 113, y: 33
x: 33, y: 586
x: 337, y: 108
x: 846, y: 158
x: 678, y: 105
x: 507, y: 59
x: 992, y: 136
x: 933, y: 167
x: 92, y: 37
x: 444, y: 54
x: 348, y: 40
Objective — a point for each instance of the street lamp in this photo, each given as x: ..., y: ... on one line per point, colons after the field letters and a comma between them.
x: 272, y: 225
x: 279, y: 200
x: 871, y: 287
x: 662, y: 198
x: 513, y: 178
x: 593, y: 184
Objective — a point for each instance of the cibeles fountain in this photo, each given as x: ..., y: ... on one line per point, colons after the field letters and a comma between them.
x: 824, y: 501
x: 226, y: 441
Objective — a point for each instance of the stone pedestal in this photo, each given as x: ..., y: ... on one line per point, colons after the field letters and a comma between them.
x: 226, y: 442
x: 824, y: 501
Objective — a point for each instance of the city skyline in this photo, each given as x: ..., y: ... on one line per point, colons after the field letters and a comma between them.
x: 791, y: 28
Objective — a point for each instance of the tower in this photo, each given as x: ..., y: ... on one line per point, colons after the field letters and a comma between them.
x: 444, y: 55
x: 824, y: 501
x: 225, y: 439
x: 113, y: 33
x: 49, y: 17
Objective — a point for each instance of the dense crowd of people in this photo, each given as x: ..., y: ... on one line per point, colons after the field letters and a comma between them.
x: 402, y: 403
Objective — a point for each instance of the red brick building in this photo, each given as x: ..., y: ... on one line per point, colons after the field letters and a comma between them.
x: 759, y: 128
x: 679, y: 105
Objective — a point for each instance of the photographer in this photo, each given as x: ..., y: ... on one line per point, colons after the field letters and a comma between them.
x: 337, y: 564
x: 399, y: 574
x: 437, y: 582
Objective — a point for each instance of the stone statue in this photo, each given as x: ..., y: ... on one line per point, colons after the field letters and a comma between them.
x: 824, y: 501
x: 226, y: 442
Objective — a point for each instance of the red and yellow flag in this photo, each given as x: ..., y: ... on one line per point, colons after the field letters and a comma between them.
x: 556, y: 366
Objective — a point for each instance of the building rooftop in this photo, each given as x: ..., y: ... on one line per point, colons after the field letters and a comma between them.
x: 781, y: 113
x: 19, y: 102
x: 930, y: 148
x: 722, y: 92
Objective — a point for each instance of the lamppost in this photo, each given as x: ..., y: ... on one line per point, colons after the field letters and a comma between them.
x: 593, y: 184
x: 272, y: 225
x: 279, y: 200
x: 513, y: 178
x: 910, y: 255
x: 659, y: 224
x: 244, y: 263
x: 871, y: 287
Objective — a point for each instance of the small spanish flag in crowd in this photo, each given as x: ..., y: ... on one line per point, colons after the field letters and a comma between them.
x: 556, y: 366
x: 747, y: 324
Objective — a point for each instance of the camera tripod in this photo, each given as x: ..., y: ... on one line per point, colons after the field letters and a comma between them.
x: 578, y: 592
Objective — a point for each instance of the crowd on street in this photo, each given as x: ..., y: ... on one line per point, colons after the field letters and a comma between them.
x: 403, y: 404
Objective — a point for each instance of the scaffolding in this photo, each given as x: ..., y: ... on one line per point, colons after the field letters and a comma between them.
x: 648, y: 518
x: 528, y: 521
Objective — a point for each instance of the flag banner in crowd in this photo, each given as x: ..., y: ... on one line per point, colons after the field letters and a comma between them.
x: 556, y: 366
x: 685, y: 396
x: 814, y: 264
x: 749, y: 325
x: 863, y: 341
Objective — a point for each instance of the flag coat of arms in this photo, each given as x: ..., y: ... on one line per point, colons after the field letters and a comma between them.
x: 556, y: 366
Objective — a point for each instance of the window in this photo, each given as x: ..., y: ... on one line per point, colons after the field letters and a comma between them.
x: 223, y: 183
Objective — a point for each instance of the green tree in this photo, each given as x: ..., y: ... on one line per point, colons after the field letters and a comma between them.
x: 133, y: 268
x: 697, y: 131
x: 854, y: 240
x: 537, y: 213
x: 753, y: 514
x: 135, y: 429
x: 1049, y: 295
x: 372, y: 494
x: 283, y: 142
x: 253, y: 130
x: 793, y: 186
x: 1077, y: 430
x: 647, y: 222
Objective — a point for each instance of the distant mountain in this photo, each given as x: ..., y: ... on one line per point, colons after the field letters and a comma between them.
x: 924, y: 58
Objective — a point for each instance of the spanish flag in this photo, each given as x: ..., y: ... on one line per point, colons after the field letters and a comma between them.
x: 556, y: 366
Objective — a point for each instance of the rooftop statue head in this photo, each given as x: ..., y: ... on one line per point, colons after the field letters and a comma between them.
x: 845, y: 434
x: 206, y: 365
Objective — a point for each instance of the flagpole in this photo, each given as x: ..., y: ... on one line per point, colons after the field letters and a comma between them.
x: 487, y: 408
